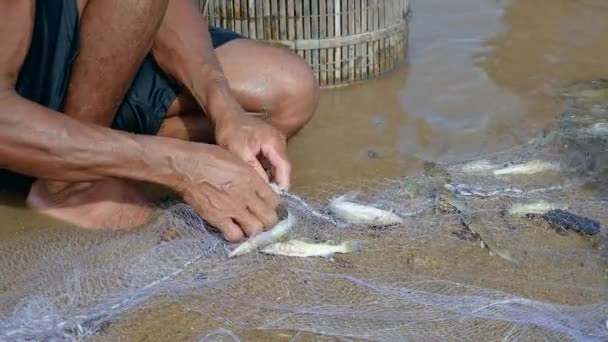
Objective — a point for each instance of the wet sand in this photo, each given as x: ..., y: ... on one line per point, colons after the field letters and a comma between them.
x: 480, y: 76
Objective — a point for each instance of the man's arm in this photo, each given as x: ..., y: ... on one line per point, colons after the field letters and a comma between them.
x: 40, y: 142
x: 184, y: 49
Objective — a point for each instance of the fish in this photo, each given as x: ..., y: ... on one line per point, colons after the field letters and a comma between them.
x: 266, y: 238
x: 473, y: 222
x: 540, y: 207
x: 305, y: 248
x: 485, y: 166
x: 488, y: 242
x: 360, y: 214
x: 302, y: 204
x: 480, y: 166
x: 531, y: 167
x: 466, y: 190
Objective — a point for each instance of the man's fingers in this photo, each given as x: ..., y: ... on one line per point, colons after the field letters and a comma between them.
x: 269, y: 196
x: 232, y: 232
x: 266, y: 215
x: 255, y: 164
x: 280, y: 164
x: 249, y: 223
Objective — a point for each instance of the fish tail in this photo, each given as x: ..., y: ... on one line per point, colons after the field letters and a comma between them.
x: 511, y: 260
x: 352, y: 246
x: 241, y: 249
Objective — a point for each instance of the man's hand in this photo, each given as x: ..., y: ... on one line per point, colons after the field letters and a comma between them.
x: 257, y: 143
x: 224, y: 190
x: 183, y: 48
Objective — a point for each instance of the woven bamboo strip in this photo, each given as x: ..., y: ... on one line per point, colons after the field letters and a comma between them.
x: 344, y: 41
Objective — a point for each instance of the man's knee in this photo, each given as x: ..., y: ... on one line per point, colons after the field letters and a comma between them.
x: 297, y: 94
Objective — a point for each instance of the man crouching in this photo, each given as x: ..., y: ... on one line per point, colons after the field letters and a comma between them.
x: 95, y: 94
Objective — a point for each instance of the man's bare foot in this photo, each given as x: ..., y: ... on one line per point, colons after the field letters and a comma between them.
x: 108, y: 204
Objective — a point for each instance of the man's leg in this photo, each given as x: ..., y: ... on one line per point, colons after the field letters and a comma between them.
x: 115, y: 36
x: 275, y: 84
x: 268, y: 82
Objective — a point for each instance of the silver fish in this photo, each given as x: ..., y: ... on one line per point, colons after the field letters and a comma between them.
x: 479, y: 166
x: 302, y: 204
x: 539, y: 207
x: 474, y: 222
x: 488, y: 241
x: 466, y: 190
x: 531, y: 167
x: 361, y: 214
x: 263, y: 239
x: 528, y: 168
x: 305, y: 248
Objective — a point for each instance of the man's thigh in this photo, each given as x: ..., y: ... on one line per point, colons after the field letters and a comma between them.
x: 152, y: 93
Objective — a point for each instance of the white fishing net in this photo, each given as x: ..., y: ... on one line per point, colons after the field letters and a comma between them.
x: 424, y: 280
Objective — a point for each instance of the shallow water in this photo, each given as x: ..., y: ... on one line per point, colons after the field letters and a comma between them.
x: 480, y: 76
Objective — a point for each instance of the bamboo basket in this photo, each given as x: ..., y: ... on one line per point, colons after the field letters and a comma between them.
x: 344, y: 41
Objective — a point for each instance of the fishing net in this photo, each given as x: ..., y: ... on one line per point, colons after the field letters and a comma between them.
x: 425, y: 280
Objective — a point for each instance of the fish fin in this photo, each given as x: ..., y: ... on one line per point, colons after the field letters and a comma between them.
x: 349, y: 196
x: 352, y: 246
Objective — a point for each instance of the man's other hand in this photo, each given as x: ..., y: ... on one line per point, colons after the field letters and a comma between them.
x: 257, y: 143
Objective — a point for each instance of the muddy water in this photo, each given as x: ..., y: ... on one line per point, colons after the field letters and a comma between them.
x: 480, y: 76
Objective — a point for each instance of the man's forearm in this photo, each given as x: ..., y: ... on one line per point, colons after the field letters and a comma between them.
x: 184, y: 49
x: 42, y: 143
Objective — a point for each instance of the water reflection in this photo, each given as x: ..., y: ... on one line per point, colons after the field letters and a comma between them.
x: 481, y: 76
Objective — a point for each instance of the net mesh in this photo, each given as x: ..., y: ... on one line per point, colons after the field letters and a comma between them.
x: 426, y: 279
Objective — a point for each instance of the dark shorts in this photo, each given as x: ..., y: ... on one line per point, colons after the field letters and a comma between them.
x: 45, y: 76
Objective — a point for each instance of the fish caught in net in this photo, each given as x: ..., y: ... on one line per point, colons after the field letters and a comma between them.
x: 509, y: 247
